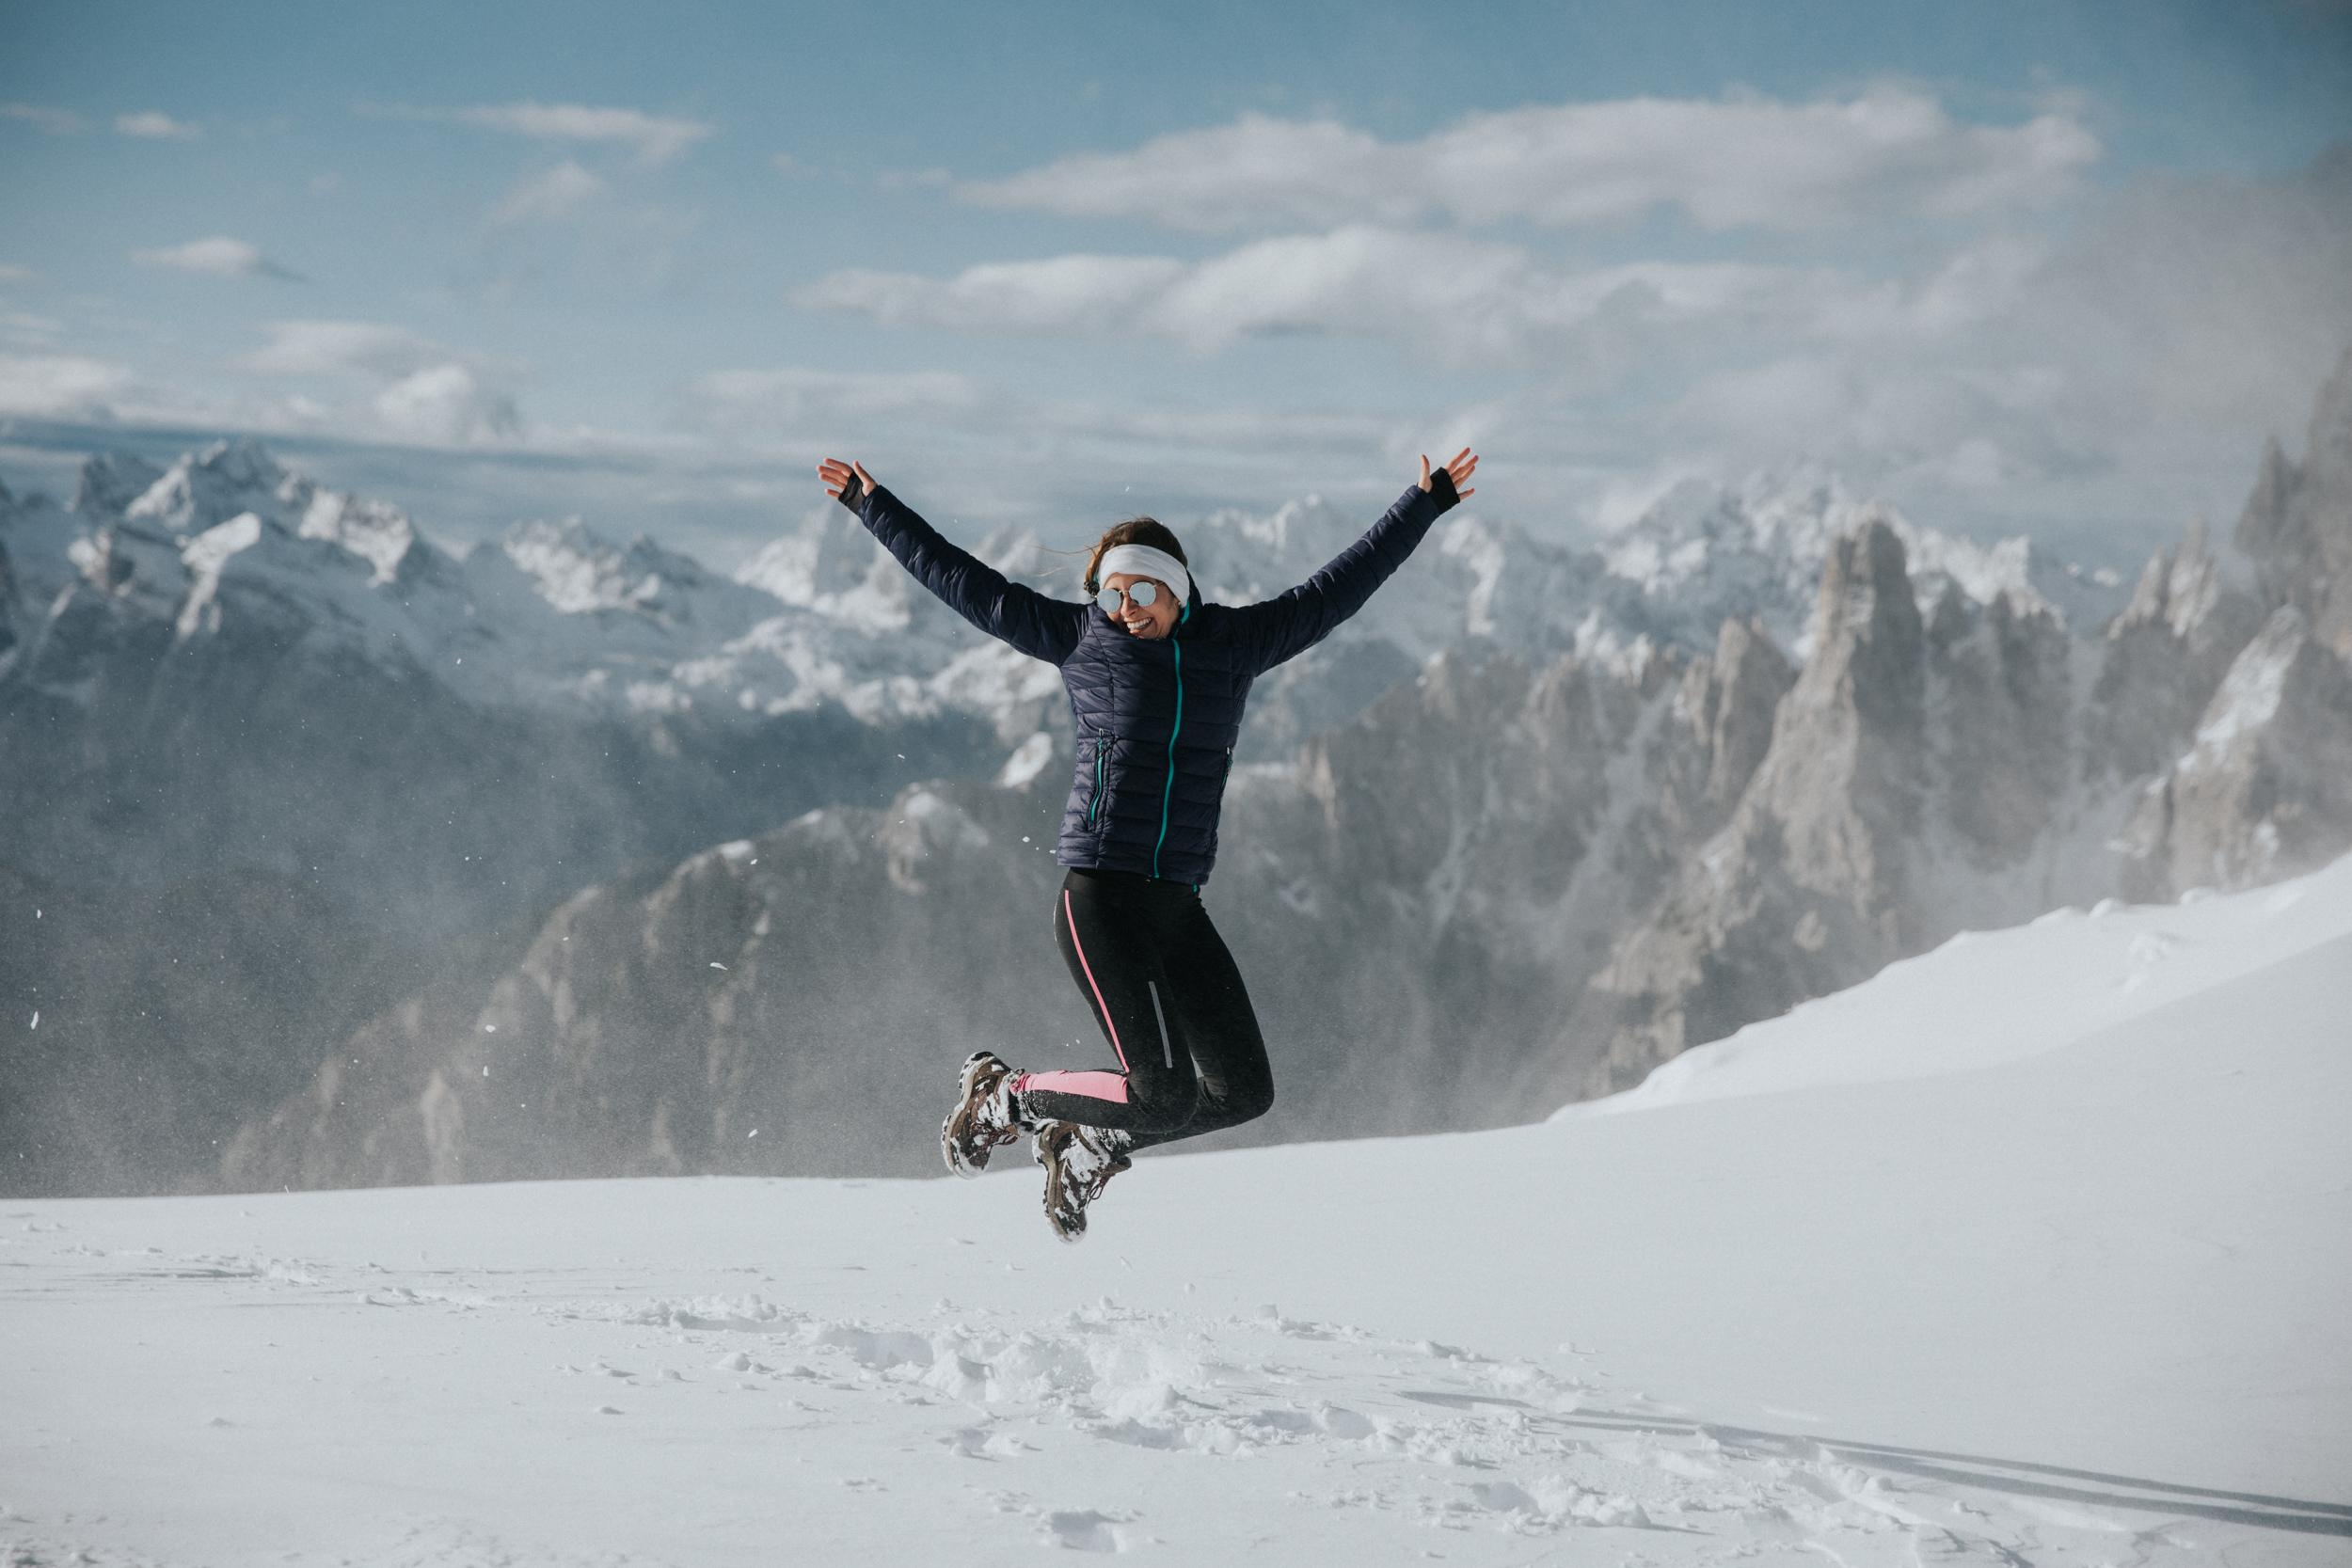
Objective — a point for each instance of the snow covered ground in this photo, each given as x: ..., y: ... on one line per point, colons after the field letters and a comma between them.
x: 2036, y: 1249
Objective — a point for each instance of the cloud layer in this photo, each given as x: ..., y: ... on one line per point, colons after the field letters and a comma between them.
x: 1457, y: 302
x: 655, y: 139
x: 368, y: 349
x: 56, y: 122
x: 550, y: 198
x: 217, y: 257
x: 377, y: 383
x: 417, y: 390
x: 1604, y: 297
x: 2001, y: 374
x: 67, y: 386
x: 156, y: 127
x: 1740, y: 163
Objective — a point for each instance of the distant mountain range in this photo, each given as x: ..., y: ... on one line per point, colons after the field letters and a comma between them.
x: 1536, y: 820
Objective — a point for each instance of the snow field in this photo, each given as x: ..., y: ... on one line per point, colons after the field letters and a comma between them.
x: 2015, y: 993
x: 465, y: 1418
x: 2079, y: 1301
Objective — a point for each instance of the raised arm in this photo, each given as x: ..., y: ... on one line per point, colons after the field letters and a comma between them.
x: 1289, y: 624
x: 1014, y: 612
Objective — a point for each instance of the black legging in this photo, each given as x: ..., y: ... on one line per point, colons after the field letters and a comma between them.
x: 1170, y: 1002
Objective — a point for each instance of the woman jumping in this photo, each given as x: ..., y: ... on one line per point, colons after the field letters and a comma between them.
x: 1157, y: 679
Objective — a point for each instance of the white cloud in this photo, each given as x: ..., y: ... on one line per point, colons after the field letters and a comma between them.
x: 16, y: 277
x: 826, y: 406
x: 24, y: 330
x: 62, y: 386
x: 156, y: 127
x: 2200, y: 300
x: 984, y: 451
x: 418, y: 389
x: 657, y: 140
x: 218, y: 257
x: 1060, y: 296
x: 400, y: 387
x: 441, y: 406
x: 370, y: 350
x: 788, y: 399
x: 549, y: 198
x: 1456, y: 302
x: 1738, y: 163
x: 2120, y: 377
x: 57, y: 123
x: 446, y: 404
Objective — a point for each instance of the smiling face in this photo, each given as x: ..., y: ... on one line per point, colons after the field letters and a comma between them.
x: 1155, y: 619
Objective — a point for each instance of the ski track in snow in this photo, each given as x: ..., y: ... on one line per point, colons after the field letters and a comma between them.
x: 996, y: 1431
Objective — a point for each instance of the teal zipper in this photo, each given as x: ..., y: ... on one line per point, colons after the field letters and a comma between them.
x: 1096, y: 804
x: 1168, y: 794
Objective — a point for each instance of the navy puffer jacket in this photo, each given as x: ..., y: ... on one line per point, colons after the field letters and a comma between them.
x: 1156, y: 718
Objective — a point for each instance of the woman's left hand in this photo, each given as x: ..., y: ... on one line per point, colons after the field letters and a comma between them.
x: 835, y: 475
x: 1464, y: 465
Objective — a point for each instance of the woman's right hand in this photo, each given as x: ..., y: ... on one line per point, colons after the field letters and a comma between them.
x: 837, y: 474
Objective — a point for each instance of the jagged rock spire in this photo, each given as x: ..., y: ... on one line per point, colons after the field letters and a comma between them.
x: 2298, y: 524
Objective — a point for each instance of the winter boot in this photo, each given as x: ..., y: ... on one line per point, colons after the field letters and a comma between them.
x: 1079, y: 1162
x: 985, y: 1120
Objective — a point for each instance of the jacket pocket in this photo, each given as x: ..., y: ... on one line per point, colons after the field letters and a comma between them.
x: 1093, y: 763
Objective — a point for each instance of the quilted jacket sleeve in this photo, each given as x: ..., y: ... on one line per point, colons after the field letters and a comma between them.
x: 1289, y: 624
x: 1039, y: 626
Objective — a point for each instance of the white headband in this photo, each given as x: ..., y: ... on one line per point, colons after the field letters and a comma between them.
x: 1142, y: 561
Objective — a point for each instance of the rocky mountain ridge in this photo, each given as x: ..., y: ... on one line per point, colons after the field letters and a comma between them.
x: 230, y: 563
x: 222, y: 664
x: 1504, y: 883
x: 1575, y: 837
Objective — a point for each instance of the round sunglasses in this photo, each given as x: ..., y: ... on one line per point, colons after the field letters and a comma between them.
x: 1142, y: 594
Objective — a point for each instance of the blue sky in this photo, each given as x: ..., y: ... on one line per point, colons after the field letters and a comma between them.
x: 2044, y: 266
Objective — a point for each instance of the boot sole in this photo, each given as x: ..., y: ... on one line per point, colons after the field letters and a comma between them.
x: 1073, y: 1229
x: 970, y: 1075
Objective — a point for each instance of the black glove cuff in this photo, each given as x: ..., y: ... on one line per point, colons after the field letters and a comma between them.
x: 1441, y: 488
x: 853, y: 495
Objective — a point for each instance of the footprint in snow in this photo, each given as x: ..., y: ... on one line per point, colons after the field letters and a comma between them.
x: 1083, y: 1530
x: 969, y: 1443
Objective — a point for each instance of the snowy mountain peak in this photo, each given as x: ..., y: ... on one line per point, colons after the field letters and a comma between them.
x: 579, y: 573
x: 377, y: 531
x: 229, y: 480
x: 110, y: 482
x: 835, y: 568
x: 2178, y: 589
x: 1241, y: 557
x: 205, y: 557
x: 2298, y: 524
x: 1018, y: 552
x: 1768, y: 539
x: 558, y: 617
x: 205, y: 489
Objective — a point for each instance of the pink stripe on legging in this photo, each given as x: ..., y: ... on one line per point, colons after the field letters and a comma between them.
x: 1105, y: 1008
x: 1094, y: 1086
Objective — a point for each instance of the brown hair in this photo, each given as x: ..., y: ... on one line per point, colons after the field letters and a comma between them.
x: 1134, y: 530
